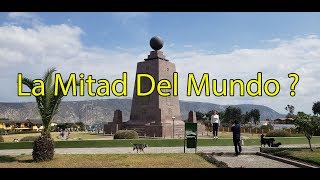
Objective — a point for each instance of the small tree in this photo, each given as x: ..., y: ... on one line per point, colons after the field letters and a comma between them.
x: 246, y: 117
x: 231, y: 114
x: 316, y: 108
x: 48, y: 105
x: 308, y: 125
x: 200, y: 116
x: 81, y: 126
x: 255, y: 114
x: 290, y: 110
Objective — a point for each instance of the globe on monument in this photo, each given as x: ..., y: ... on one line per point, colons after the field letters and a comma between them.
x: 156, y: 43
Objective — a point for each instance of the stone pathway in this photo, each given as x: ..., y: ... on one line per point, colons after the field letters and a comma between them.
x: 129, y: 150
x: 252, y: 161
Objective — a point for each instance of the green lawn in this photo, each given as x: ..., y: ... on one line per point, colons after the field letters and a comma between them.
x: 109, y: 161
x: 153, y: 143
x: 303, y: 155
x: 55, y: 135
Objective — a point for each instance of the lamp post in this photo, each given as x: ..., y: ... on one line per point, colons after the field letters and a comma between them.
x: 86, y: 105
x: 173, y: 127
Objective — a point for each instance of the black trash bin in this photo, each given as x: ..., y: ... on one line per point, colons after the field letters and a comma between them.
x: 191, y: 142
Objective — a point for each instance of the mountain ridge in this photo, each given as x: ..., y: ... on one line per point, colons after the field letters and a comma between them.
x: 101, y: 110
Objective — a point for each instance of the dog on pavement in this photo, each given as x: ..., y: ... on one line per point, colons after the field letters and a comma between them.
x: 139, y: 147
x: 268, y: 141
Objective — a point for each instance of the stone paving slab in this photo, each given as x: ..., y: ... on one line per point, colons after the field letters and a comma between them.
x: 252, y: 161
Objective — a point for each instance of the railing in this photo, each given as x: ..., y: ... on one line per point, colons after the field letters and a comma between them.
x: 252, y: 130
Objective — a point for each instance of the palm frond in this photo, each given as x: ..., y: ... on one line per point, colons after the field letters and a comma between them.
x: 48, y: 75
x: 28, y: 82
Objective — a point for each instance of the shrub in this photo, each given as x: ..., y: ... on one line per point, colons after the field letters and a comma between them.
x: 29, y: 138
x: 2, y: 131
x: 126, y: 134
x: 22, y: 132
x: 266, y: 127
x: 278, y: 133
x: 1, y: 139
x: 43, y: 148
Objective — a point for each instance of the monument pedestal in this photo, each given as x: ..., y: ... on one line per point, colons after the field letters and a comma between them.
x: 165, y: 130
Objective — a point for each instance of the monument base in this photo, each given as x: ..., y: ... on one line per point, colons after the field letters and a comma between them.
x: 112, y: 128
x: 165, y: 130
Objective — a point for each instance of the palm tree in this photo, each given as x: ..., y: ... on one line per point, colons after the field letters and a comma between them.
x: 48, y: 105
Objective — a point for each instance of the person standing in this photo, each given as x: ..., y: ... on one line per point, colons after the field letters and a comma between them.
x: 236, y: 131
x: 215, y: 121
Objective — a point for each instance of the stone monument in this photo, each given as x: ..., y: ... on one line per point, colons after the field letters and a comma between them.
x: 158, y: 116
x: 192, y: 118
x: 155, y: 115
x: 116, y: 124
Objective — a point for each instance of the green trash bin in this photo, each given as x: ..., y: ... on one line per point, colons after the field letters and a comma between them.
x: 191, y: 142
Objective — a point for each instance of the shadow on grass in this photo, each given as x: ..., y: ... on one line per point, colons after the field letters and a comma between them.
x: 4, y: 159
x: 7, y: 158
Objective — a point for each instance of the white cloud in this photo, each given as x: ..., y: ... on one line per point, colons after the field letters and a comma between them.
x: 273, y: 40
x: 25, y: 18
x: 188, y: 46
x: 15, y: 15
x: 31, y: 50
x: 300, y: 55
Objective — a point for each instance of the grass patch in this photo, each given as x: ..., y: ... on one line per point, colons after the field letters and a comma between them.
x: 55, y: 135
x: 153, y: 143
x: 109, y: 161
x: 305, y: 155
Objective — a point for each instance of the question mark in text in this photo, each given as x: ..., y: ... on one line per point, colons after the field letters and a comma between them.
x: 294, y: 83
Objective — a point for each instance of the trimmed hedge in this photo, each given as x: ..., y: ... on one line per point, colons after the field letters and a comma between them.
x: 1, y: 139
x: 126, y: 134
x: 278, y: 133
x: 29, y: 138
x: 266, y: 127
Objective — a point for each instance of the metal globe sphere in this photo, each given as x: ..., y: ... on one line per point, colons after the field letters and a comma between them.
x: 156, y: 43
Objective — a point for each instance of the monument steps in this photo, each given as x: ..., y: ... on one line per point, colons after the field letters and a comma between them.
x: 140, y: 129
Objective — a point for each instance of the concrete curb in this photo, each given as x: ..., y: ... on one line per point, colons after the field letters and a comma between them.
x: 231, y: 153
x: 285, y: 160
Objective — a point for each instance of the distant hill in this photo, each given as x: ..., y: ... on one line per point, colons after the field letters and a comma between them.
x: 97, y: 111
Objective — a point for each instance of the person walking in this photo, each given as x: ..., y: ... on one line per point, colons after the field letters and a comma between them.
x: 236, y: 131
x: 215, y: 121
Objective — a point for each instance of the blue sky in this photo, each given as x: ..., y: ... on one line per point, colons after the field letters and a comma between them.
x: 218, y: 32
x: 226, y: 45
